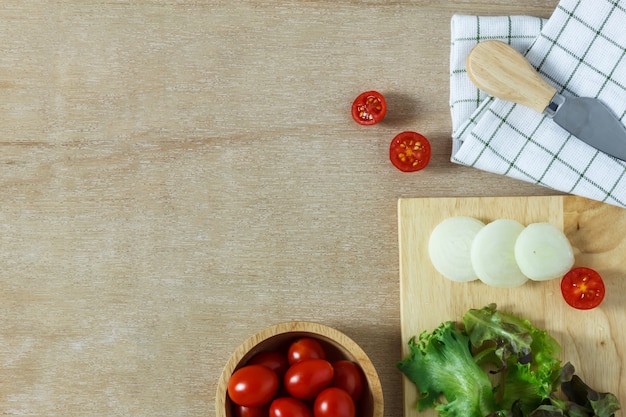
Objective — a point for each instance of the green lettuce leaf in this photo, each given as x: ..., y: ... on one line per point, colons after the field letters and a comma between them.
x: 498, y: 365
x: 440, y: 364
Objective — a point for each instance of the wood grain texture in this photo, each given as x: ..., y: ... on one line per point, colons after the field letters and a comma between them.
x: 592, y: 340
x: 177, y: 175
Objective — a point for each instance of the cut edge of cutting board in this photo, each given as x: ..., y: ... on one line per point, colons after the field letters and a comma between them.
x: 594, y: 231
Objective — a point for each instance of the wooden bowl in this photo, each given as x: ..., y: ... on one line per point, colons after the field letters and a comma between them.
x: 277, y: 337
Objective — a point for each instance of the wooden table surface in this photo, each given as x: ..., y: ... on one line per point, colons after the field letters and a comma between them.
x: 177, y: 175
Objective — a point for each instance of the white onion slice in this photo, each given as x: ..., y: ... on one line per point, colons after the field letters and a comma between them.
x: 543, y: 252
x: 450, y: 245
x: 493, y: 254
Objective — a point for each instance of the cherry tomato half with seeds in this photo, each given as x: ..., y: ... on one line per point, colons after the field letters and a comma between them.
x: 276, y: 361
x: 369, y: 108
x: 289, y: 407
x: 252, y: 385
x: 305, y: 348
x: 349, y: 377
x: 304, y: 380
x: 334, y: 402
x: 409, y: 151
x: 583, y: 288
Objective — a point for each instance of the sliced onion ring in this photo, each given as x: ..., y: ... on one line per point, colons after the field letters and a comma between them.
x: 493, y: 254
x: 450, y: 245
x: 543, y: 252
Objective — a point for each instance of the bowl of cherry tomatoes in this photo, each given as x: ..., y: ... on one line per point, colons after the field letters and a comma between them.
x: 299, y: 369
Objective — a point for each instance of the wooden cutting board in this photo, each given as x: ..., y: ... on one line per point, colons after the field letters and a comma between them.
x: 594, y: 341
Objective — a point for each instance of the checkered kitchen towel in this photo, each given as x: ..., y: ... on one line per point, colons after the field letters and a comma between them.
x: 581, y: 51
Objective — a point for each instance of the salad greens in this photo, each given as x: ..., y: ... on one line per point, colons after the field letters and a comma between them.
x: 498, y: 365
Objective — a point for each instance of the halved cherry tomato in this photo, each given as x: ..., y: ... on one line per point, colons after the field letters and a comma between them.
x: 334, y: 402
x: 252, y: 385
x: 349, y: 377
x: 582, y: 288
x: 369, y: 108
x: 306, y: 379
x: 305, y: 348
x: 289, y: 407
x: 276, y: 361
x: 409, y: 151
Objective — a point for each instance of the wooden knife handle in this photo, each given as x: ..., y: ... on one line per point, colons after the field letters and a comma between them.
x: 501, y: 71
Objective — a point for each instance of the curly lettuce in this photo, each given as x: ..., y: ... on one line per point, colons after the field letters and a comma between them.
x: 498, y: 365
x: 440, y: 363
x: 529, y: 367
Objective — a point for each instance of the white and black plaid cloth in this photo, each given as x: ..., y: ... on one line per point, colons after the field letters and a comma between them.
x: 581, y: 51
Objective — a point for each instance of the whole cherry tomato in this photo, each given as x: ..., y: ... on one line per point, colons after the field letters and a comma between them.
x: 334, y: 402
x: 289, y: 407
x: 369, y: 108
x: 305, y: 348
x: 243, y: 411
x: 276, y: 361
x: 582, y: 288
x: 252, y: 385
x: 304, y: 380
x: 409, y: 151
x: 349, y: 377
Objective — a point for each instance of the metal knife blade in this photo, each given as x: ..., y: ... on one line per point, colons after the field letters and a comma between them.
x: 501, y: 71
x: 593, y: 123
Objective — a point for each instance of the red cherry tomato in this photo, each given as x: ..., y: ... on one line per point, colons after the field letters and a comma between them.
x: 369, y: 108
x: 582, y: 288
x: 276, y: 361
x: 252, y: 385
x: 409, y: 151
x: 304, y: 380
x: 243, y: 411
x: 305, y: 348
x: 334, y: 402
x: 349, y: 377
x: 289, y: 407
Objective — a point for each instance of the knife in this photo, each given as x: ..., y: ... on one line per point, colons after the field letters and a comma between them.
x: 501, y: 71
